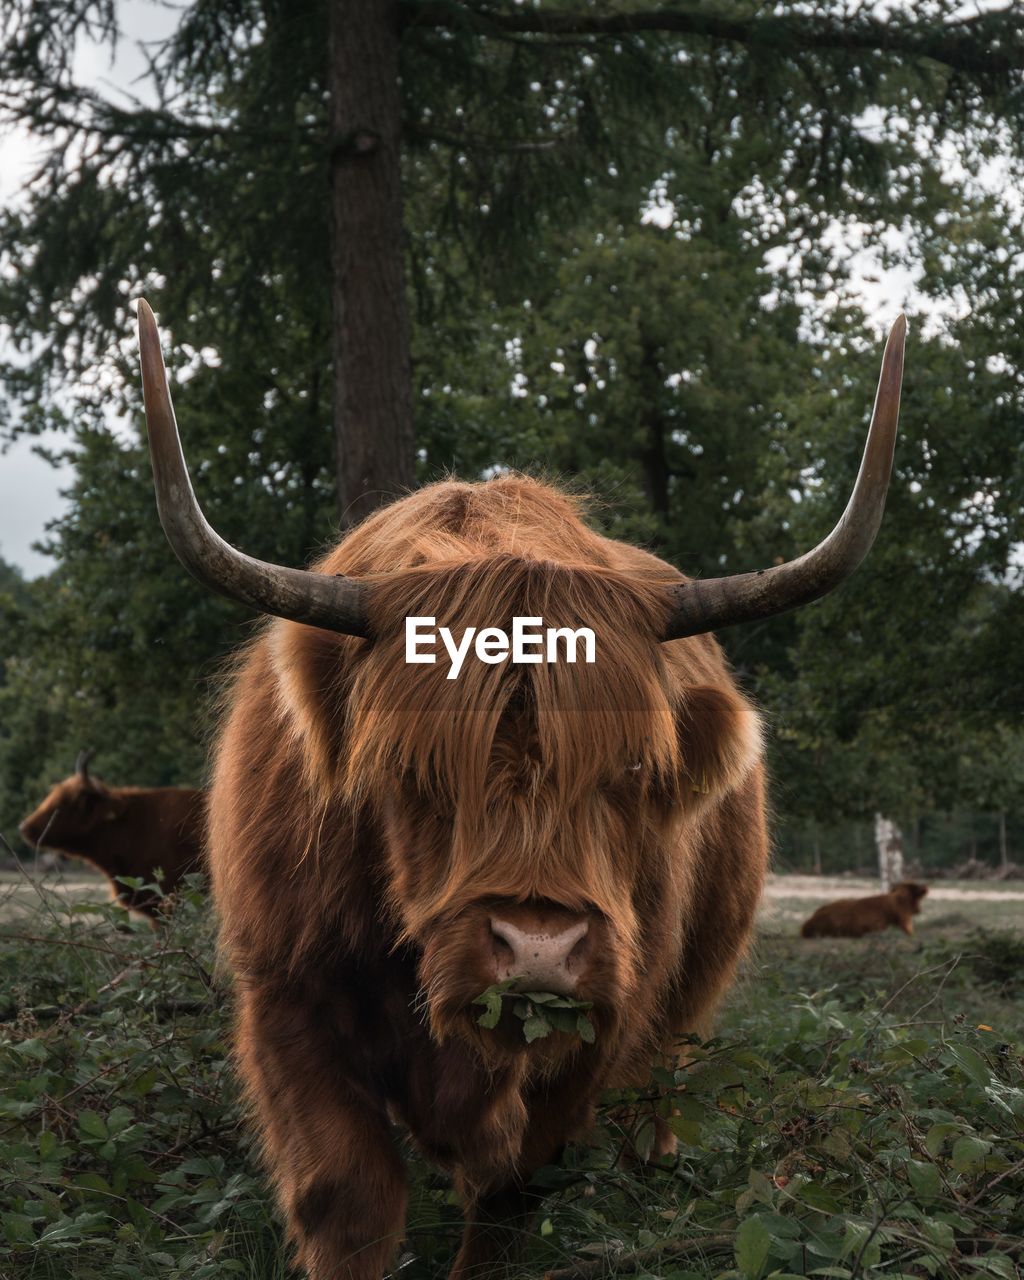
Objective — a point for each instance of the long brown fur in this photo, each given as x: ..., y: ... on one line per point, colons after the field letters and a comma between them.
x: 157, y: 834
x: 854, y: 917
x: 368, y: 815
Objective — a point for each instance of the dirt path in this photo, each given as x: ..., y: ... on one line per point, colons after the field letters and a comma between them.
x: 827, y: 888
x: 16, y: 890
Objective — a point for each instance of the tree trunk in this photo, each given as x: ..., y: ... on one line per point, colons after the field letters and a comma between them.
x: 889, y: 841
x: 1004, y: 852
x: 370, y: 344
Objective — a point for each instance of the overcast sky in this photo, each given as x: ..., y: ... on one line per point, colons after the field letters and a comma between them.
x: 29, y: 487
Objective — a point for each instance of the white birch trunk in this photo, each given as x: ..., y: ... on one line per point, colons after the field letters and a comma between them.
x: 889, y: 841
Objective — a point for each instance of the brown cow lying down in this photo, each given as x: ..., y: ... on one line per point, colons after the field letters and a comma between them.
x: 390, y: 836
x: 123, y: 831
x: 853, y: 917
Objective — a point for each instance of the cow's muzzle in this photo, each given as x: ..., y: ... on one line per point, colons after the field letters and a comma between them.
x: 541, y: 954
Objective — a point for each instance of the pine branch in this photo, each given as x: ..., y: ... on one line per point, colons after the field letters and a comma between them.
x: 472, y: 141
x: 79, y: 110
x: 986, y: 44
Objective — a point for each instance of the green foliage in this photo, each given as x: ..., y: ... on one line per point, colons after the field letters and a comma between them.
x: 704, y: 376
x: 13, y: 590
x: 118, y: 1120
x: 993, y: 958
x: 935, y: 840
x: 861, y: 1128
x: 540, y: 1012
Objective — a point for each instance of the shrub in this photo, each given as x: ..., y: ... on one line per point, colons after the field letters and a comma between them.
x: 823, y: 1133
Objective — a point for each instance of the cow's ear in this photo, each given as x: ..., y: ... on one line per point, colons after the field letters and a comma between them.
x: 311, y: 669
x: 719, y: 739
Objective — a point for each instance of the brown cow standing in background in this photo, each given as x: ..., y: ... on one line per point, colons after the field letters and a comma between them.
x: 124, y: 831
x: 386, y: 842
x: 853, y: 917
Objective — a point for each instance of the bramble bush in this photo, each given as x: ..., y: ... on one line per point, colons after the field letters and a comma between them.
x: 120, y: 1147
x: 862, y: 1128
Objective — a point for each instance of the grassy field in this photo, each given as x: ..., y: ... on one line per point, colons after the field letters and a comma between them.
x: 951, y: 908
x: 860, y: 1112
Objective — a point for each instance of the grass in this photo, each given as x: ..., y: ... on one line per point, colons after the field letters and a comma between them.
x: 859, y: 1114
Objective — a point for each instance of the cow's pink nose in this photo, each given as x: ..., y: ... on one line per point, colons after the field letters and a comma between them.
x: 548, y: 960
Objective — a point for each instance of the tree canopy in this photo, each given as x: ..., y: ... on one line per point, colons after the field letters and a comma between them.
x: 626, y: 237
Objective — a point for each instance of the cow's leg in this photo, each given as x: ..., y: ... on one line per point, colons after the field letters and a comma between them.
x: 496, y: 1227
x: 498, y: 1215
x: 340, y: 1180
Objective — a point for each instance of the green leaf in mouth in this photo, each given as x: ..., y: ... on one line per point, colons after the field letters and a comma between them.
x: 540, y: 1012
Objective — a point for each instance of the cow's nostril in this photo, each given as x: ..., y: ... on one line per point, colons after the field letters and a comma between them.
x: 575, y: 956
x: 502, y: 951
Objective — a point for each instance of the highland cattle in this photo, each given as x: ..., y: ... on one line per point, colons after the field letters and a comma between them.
x: 386, y: 844
x: 155, y: 834
x: 854, y: 917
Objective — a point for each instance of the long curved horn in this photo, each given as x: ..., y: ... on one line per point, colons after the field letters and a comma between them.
x: 706, y: 605
x: 334, y: 603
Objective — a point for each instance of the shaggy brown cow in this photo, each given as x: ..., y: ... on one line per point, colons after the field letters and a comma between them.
x: 853, y: 917
x: 386, y: 841
x: 123, y: 831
